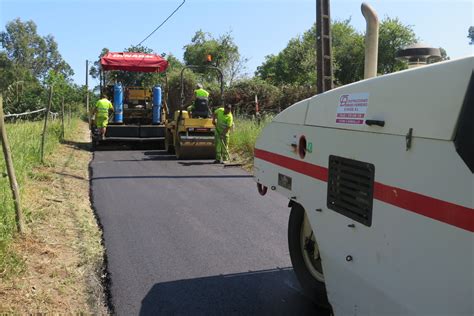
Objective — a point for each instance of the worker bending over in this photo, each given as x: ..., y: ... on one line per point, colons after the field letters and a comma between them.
x: 101, y: 112
x: 223, y: 120
x: 200, y: 106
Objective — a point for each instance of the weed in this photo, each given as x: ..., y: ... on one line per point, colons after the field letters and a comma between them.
x: 244, y: 136
x: 25, y: 140
x: 10, y: 262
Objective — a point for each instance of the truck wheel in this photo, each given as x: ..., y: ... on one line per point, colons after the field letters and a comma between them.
x: 305, y: 258
x: 169, y: 142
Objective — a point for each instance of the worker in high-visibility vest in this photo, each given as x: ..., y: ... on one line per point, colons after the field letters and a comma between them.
x: 101, y: 112
x: 223, y: 120
x: 199, y: 93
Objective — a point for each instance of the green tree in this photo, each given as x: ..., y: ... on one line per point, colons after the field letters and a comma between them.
x: 470, y: 35
x: 225, y: 55
x: 23, y: 46
x: 348, y: 52
x: 128, y: 78
x: 7, y: 72
x: 296, y: 63
x: 28, y: 64
x: 94, y: 70
x: 393, y: 36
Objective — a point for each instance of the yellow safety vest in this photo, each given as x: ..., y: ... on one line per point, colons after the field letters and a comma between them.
x: 223, y: 120
x: 201, y: 93
x: 103, y: 106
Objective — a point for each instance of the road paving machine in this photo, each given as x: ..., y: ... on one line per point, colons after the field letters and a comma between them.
x: 379, y: 175
x: 191, y: 135
x: 139, y: 113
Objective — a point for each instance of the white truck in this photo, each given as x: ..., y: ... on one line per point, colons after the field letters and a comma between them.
x: 379, y: 177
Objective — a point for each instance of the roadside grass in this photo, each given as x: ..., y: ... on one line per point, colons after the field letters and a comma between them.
x: 25, y: 140
x: 57, y: 265
x: 244, y: 136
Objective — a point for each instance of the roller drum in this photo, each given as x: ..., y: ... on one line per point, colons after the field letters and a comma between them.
x: 194, y: 150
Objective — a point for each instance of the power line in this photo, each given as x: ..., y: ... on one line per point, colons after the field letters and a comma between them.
x: 163, y: 22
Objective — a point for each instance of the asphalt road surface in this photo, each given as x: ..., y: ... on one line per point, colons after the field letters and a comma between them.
x: 192, y: 238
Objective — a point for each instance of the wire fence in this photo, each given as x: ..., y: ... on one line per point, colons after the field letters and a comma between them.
x: 43, y: 113
x: 9, y: 115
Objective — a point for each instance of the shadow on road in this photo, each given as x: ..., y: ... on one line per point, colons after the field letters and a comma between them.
x: 267, y: 292
x: 158, y: 153
x: 128, y: 145
x: 196, y: 163
x: 161, y: 157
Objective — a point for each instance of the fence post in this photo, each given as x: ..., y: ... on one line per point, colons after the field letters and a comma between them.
x: 43, y: 136
x: 87, y: 93
x: 62, y: 119
x: 11, y: 171
x: 69, y: 117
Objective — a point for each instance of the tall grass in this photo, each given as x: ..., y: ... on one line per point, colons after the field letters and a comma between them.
x: 24, y: 139
x: 244, y: 136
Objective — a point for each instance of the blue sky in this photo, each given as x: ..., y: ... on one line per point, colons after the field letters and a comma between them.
x: 83, y: 27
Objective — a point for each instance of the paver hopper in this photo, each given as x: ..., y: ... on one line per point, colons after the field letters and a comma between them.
x: 139, y: 113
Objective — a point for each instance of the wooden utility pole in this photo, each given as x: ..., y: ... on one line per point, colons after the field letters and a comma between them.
x: 69, y: 117
x: 43, y: 136
x: 62, y: 119
x: 87, y: 91
x: 324, y: 78
x: 11, y: 172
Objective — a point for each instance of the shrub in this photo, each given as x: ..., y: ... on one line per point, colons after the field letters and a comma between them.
x: 242, y: 95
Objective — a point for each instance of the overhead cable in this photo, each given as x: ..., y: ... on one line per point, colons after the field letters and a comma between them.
x: 163, y: 22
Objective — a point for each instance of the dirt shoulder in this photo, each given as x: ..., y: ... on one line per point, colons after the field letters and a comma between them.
x: 62, y: 251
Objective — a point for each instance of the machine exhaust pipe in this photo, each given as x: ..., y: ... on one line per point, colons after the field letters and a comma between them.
x: 371, y: 40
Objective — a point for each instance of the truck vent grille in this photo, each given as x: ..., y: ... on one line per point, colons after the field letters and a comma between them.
x: 351, y: 188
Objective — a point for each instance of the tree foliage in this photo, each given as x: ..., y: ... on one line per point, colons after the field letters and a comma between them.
x: 29, y: 63
x: 138, y: 79
x: 38, y: 54
x: 470, y: 35
x: 242, y: 95
x: 225, y: 55
x: 393, y: 36
x: 296, y: 63
x: 348, y: 53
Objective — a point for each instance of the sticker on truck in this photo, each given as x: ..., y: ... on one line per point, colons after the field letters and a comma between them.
x: 352, y: 108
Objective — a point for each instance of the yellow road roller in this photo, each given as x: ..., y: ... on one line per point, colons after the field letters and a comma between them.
x: 191, y: 135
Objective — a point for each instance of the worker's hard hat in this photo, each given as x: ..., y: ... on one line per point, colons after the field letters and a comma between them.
x: 199, y: 86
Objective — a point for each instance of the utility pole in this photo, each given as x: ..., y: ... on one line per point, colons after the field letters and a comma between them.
x: 87, y: 91
x: 323, y: 49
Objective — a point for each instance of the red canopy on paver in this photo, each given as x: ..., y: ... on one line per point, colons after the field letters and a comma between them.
x: 137, y: 62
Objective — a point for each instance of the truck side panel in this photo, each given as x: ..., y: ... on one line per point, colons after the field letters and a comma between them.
x: 404, y: 262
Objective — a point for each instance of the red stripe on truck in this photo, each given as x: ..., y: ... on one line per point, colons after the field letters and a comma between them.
x: 299, y: 166
x: 446, y: 212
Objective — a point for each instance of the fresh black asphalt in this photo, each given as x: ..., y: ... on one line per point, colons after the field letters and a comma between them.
x: 192, y: 238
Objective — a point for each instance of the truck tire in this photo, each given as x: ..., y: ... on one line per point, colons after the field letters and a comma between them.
x: 304, y: 254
